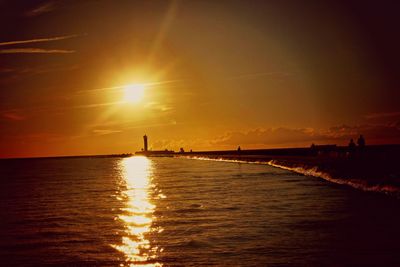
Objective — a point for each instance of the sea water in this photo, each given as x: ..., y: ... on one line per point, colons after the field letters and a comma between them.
x: 142, y: 211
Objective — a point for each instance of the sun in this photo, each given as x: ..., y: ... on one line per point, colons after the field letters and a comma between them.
x: 134, y: 93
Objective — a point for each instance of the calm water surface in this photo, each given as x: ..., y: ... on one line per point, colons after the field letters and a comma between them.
x: 179, y: 212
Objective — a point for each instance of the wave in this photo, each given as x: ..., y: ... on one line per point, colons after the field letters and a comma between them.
x: 355, y: 183
x: 316, y: 172
x: 218, y: 159
x: 222, y: 159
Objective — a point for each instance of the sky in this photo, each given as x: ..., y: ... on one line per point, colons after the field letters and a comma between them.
x: 214, y: 75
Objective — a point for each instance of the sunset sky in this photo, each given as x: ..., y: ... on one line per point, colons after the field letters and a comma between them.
x: 92, y: 77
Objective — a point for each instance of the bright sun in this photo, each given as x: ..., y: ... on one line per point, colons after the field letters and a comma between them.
x: 134, y: 93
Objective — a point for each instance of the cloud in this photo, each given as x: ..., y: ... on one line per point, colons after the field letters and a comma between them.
x: 158, y: 107
x: 10, y: 74
x: 35, y: 51
x: 7, y: 70
x: 178, y: 143
x: 105, y: 131
x: 39, y: 40
x: 376, y: 133
x: 95, y: 105
x: 119, y: 87
x: 382, y: 115
x: 276, y: 74
x: 13, y: 115
x: 286, y: 137
x: 41, y: 9
x: 270, y: 136
x: 30, y: 50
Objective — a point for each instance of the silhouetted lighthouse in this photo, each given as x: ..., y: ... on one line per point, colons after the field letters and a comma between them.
x: 145, y: 142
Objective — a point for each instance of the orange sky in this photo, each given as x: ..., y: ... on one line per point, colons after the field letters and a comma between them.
x: 217, y: 74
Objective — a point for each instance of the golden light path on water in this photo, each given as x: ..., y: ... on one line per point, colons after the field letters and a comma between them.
x: 138, y: 214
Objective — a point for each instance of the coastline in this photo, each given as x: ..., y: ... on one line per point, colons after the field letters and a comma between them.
x: 374, y: 169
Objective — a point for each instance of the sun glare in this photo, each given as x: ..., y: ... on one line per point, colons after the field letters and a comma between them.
x: 138, y: 213
x: 134, y: 93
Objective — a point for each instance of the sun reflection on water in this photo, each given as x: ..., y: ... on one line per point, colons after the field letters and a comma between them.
x: 137, y: 216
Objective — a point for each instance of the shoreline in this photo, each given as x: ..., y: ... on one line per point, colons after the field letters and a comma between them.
x: 371, y: 168
x: 368, y: 171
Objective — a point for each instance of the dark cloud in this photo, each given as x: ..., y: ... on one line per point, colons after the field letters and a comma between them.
x: 13, y: 115
x: 42, y: 8
x: 383, y: 115
x: 38, y: 40
x: 35, y: 51
x: 375, y: 134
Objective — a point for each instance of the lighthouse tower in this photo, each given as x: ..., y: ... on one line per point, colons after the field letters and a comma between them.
x: 145, y: 143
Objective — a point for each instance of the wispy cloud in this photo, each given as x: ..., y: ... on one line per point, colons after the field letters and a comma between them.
x: 13, y: 115
x: 382, y: 115
x: 40, y: 40
x: 46, y: 109
x: 105, y: 131
x: 260, y: 74
x: 95, y: 105
x: 155, y: 106
x: 119, y: 87
x: 41, y: 9
x: 35, y: 51
x: 7, y: 70
x: 40, y: 70
x: 287, y: 137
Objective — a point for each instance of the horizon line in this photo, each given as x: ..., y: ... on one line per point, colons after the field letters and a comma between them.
x: 177, y: 152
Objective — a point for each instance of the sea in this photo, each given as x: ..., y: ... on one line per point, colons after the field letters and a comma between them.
x: 139, y: 211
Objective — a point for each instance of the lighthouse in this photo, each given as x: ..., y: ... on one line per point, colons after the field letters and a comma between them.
x: 145, y: 143
x: 153, y: 153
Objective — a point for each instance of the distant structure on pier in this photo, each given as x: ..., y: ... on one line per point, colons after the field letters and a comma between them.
x: 153, y: 153
x: 145, y: 147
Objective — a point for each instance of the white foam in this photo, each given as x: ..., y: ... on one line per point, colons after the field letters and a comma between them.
x: 355, y: 183
x: 313, y: 171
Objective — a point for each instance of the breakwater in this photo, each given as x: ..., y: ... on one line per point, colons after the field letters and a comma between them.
x: 374, y: 168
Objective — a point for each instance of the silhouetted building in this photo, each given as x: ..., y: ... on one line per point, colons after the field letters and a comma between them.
x: 145, y: 143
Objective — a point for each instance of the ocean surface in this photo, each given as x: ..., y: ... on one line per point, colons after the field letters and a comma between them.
x: 142, y: 211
